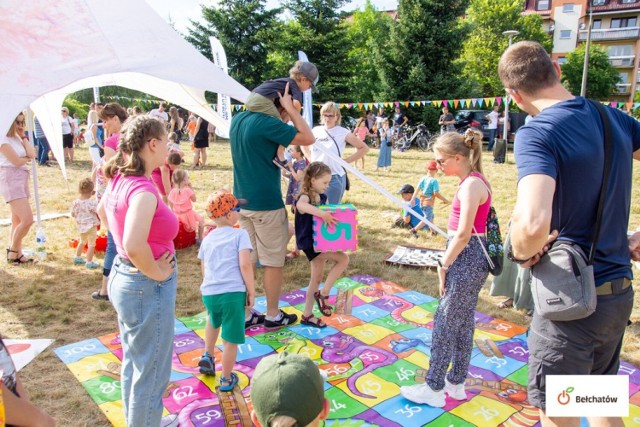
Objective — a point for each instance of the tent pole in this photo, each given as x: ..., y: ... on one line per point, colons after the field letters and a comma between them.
x: 34, y: 170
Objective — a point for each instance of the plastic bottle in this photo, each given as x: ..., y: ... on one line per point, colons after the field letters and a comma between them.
x: 41, y: 240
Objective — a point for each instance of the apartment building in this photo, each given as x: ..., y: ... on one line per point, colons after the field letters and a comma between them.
x: 615, y: 27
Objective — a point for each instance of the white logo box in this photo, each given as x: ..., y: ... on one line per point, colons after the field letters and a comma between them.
x: 587, y: 395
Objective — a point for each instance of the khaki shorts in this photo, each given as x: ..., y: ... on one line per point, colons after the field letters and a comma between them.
x: 89, y: 236
x: 261, y: 104
x: 269, y: 234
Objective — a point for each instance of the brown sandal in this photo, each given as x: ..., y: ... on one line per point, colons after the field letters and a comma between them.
x: 22, y: 259
x: 324, y: 308
x: 312, y: 320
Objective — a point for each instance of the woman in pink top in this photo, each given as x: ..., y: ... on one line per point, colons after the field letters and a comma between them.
x: 142, y: 284
x: 462, y: 271
x: 113, y: 115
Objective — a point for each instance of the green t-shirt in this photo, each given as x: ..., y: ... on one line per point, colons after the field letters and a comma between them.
x: 254, y: 141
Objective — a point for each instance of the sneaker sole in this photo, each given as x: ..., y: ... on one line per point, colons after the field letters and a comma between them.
x: 414, y: 399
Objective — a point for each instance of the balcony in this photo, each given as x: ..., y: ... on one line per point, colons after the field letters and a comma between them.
x: 625, y: 61
x: 623, y: 88
x: 628, y: 33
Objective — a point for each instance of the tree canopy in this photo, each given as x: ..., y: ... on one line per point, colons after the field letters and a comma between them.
x: 245, y: 29
x: 486, y: 21
x: 602, y: 77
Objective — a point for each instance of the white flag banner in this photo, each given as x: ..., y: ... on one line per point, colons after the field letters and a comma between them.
x: 224, y: 102
x: 307, y: 112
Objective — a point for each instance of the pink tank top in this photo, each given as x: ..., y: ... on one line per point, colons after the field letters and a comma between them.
x: 480, y: 221
x: 156, y: 176
x: 362, y: 132
x: 164, y: 225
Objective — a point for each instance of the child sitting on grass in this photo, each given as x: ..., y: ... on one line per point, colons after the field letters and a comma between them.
x: 180, y: 198
x: 314, y: 183
x: 428, y: 190
x: 84, y: 210
x: 228, y: 285
x: 408, y: 220
x: 265, y: 99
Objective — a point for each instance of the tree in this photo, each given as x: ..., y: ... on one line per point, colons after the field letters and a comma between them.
x: 418, y: 60
x: 486, y: 21
x: 602, y: 77
x: 368, y: 32
x: 244, y: 28
x: 317, y: 28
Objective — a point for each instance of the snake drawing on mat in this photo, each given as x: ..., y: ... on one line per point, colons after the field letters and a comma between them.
x: 401, y: 305
x: 340, y: 348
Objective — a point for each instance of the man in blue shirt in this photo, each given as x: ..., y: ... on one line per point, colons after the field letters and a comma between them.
x: 559, y: 155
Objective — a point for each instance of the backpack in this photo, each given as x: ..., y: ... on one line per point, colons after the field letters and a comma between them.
x: 495, y: 250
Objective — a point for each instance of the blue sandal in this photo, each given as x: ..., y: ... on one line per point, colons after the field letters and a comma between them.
x: 206, y: 365
x: 232, y: 381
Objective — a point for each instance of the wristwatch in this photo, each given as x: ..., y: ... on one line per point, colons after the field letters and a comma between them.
x: 442, y: 266
x: 510, y: 257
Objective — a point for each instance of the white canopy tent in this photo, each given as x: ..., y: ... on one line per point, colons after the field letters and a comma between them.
x: 50, y: 49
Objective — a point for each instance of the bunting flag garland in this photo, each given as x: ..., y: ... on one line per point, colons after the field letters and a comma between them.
x: 463, y: 103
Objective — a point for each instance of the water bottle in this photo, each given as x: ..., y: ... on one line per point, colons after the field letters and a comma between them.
x: 41, y: 250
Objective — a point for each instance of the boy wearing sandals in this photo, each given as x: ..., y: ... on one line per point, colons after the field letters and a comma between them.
x: 227, y: 286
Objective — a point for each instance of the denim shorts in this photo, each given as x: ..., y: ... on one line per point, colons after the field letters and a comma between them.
x: 579, y: 347
x: 226, y: 311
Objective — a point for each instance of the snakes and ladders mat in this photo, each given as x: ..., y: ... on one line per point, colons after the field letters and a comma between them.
x: 365, y: 356
x: 415, y: 256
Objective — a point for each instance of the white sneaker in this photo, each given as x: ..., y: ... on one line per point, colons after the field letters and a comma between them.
x: 422, y: 393
x: 456, y: 392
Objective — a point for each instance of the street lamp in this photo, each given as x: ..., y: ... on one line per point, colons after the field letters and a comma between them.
x: 585, y: 66
x: 510, y: 34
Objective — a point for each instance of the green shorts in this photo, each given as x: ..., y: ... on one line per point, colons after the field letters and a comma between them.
x: 226, y: 311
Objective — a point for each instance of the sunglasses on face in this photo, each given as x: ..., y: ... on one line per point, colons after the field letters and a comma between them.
x: 20, y: 122
x: 442, y: 161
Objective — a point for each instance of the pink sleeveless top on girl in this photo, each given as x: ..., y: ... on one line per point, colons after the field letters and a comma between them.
x: 164, y: 225
x: 362, y: 132
x: 156, y: 176
x: 480, y: 221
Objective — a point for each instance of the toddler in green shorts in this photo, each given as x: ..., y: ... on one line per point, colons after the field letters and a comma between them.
x: 228, y: 285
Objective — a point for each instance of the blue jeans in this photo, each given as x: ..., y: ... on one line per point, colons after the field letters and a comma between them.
x: 43, y: 150
x: 336, y: 188
x: 492, y: 138
x: 146, y: 311
x: 109, y: 254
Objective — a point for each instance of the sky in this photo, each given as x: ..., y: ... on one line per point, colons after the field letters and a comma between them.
x: 180, y: 12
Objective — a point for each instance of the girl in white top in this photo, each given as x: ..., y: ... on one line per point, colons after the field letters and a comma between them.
x: 15, y: 153
x: 334, y: 137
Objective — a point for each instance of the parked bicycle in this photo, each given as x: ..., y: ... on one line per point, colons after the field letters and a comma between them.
x: 418, y: 136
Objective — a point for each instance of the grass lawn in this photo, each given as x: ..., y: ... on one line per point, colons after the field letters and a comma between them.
x: 52, y: 299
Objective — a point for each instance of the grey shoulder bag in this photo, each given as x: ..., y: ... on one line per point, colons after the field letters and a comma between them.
x: 562, y: 282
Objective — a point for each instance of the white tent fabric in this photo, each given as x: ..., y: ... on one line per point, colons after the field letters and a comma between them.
x: 50, y: 49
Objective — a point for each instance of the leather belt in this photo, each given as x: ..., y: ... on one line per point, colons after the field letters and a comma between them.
x: 613, y: 287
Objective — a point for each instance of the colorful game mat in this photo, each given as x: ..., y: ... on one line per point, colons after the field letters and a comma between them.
x: 366, y: 356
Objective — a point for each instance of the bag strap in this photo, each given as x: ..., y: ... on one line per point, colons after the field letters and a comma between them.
x: 484, y: 250
x: 606, y: 125
x: 334, y: 141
